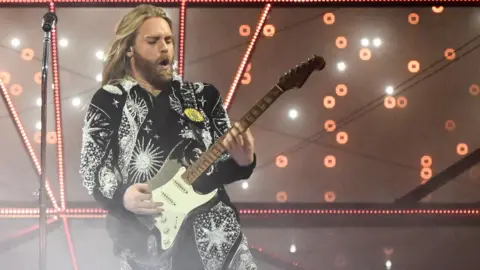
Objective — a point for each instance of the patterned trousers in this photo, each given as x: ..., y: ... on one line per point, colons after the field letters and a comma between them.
x: 241, y: 260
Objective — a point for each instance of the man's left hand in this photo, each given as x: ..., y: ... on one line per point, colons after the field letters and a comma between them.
x: 240, y: 145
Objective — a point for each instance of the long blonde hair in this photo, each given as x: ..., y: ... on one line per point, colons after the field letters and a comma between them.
x: 117, y: 64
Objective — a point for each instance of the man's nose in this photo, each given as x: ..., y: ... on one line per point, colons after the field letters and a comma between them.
x: 163, y: 47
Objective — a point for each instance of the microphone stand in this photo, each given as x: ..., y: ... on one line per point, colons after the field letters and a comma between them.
x: 49, y: 20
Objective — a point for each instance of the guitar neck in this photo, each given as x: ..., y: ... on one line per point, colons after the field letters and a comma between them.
x: 217, y: 149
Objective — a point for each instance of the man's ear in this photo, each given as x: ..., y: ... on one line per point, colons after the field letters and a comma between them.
x: 130, y: 52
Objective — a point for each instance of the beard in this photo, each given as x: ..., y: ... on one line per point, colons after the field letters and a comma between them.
x: 155, y: 74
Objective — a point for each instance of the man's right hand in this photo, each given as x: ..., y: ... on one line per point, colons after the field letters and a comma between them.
x: 138, y: 199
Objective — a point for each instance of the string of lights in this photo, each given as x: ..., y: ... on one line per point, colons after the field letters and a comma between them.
x: 375, y: 103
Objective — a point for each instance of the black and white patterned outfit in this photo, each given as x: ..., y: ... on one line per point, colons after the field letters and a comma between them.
x: 144, y: 129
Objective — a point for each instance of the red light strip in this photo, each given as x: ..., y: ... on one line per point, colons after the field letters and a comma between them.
x: 247, y: 56
x: 233, y: 2
x: 359, y: 212
x: 26, y: 141
x: 25, y: 231
x: 70, y: 243
x: 97, y: 212
x: 58, y: 113
x: 25, y: 211
x: 181, y: 44
x: 86, y: 211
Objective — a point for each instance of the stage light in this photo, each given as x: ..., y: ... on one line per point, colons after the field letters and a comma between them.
x: 99, y: 78
x: 99, y: 55
x: 63, y: 42
x: 377, y: 42
x: 389, y: 102
x: 38, y: 125
x: 426, y: 161
x: 365, y: 54
x: 293, y: 114
x: 389, y: 90
x: 293, y: 248
x: 341, y: 66
x: 413, y: 66
x: 450, y: 54
x: 330, y: 161
x: 388, y: 264
x: 474, y: 89
x: 281, y: 161
x: 27, y: 54
x: 413, y: 18
x: 330, y: 125
x: 342, y: 137
x: 365, y: 42
x: 329, y: 102
x: 282, y: 196
x: 341, y: 90
x: 15, y: 42
x: 462, y: 149
x: 450, y: 125
x: 76, y: 102
x: 402, y: 102
x: 245, y: 185
x: 438, y: 9
x: 39, y: 102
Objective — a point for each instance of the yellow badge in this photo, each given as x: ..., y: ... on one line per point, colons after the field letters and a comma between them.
x: 194, y: 115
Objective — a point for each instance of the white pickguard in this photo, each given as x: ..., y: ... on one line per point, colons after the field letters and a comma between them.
x: 179, y: 199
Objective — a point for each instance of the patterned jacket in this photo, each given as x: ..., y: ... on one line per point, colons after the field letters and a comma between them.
x: 127, y: 136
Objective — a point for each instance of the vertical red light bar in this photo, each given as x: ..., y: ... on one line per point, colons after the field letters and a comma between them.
x: 181, y: 44
x: 70, y: 243
x: 58, y: 113
x: 26, y: 141
x: 247, y: 56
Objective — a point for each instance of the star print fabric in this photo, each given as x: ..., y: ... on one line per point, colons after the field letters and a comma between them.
x: 144, y: 129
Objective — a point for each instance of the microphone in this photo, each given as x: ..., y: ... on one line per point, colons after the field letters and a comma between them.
x: 49, y: 19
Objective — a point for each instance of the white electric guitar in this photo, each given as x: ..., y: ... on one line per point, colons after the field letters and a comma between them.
x: 173, y: 184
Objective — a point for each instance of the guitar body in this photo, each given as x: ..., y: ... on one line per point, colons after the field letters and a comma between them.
x: 179, y: 199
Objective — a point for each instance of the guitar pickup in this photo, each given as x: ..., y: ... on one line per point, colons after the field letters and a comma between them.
x: 180, y: 186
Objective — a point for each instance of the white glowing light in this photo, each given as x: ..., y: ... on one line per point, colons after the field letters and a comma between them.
x: 365, y: 42
x: 76, y: 102
x: 245, y: 185
x: 388, y: 264
x: 377, y: 42
x: 293, y: 248
x: 341, y: 66
x: 38, y: 125
x: 39, y: 102
x: 99, y: 55
x: 63, y: 42
x: 15, y: 42
x: 99, y: 78
x: 389, y: 90
x: 293, y: 114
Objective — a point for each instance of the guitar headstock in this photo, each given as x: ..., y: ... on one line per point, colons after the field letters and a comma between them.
x: 296, y: 77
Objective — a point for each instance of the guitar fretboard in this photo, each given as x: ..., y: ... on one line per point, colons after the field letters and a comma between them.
x: 217, y: 149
